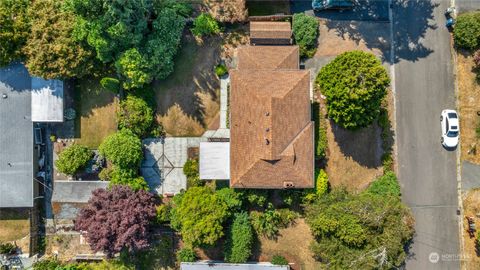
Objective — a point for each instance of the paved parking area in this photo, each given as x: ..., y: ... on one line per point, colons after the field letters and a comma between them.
x: 470, y: 175
x: 364, y: 10
x: 467, y: 5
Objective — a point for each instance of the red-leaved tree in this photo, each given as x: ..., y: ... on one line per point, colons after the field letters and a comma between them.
x: 117, y: 219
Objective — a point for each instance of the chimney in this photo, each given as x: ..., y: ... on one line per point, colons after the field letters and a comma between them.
x: 288, y: 185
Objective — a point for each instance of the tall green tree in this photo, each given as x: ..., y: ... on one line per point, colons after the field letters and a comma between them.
x: 15, y: 26
x: 199, y: 215
x: 355, y: 84
x: 51, y: 50
x: 364, y: 231
x: 136, y: 115
x: 73, y: 158
x: 305, y: 33
x: 123, y: 149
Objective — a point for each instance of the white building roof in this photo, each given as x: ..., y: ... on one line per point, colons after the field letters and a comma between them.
x: 47, y: 100
x: 215, y: 160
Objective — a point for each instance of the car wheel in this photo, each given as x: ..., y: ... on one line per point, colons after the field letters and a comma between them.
x: 441, y: 118
x: 441, y: 140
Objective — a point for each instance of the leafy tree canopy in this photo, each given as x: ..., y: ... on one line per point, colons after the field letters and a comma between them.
x: 51, y: 50
x: 123, y: 149
x: 357, y: 231
x: 14, y: 29
x: 305, y: 32
x: 128, y: 177
x: 73, y: 158
x: 198, y: 214
x: 385, y: 185
x: 135, y: 115
x: 117, y: 219
x: 355, y: 84
x: 466, y: 32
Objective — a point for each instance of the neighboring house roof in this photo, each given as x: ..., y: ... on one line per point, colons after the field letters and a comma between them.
x: 215, y: 160
x: 69, y: 196
x: 271, y: 128
x: 16, y: 139
x: 162, y: 166
x: 270, y: 30
x: 47, y: 100
x: 206, y: 265
x: 268, y: 57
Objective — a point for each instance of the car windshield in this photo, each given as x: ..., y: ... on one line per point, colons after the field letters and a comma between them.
x: 452, y: 134
x: 452, y: 115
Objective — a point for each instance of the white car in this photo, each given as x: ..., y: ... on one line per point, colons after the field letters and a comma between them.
x: 450, y: 128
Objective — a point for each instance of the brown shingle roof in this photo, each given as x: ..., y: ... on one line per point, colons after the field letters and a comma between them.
x: 268, y: 57
x: 270, y: 30
x: 271, y: 132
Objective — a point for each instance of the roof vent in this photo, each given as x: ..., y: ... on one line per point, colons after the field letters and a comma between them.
x: 267, y: 129
x: 288, y: 185
x: 4, y: 96
x: 267, y: 114
x: 267, y: 142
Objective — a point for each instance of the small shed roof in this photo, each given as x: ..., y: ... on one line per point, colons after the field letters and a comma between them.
x: 47, y: 100
x: 75, y: 191
x: 270, y: 30
x: 215, y: 160
x: 208, y: 265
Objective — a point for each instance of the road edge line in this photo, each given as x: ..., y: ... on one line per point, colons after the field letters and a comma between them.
x: 393, y: 87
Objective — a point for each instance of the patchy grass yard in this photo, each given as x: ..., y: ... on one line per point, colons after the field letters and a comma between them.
x: 14, y: 224
x: 293, y: 243
x: 268, y: 7
x: 469, y: 104
x: 96, y: 112
x: 188, y: 100
x: 471, y: 207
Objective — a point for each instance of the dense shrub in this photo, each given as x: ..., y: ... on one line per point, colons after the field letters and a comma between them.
x: 110, y: 84
x: 198, y: 214
x: 190, y: 168
x: 321, y: 184
x: 466, y: 33
x: 7, y: 248
x: 255, y: 197
x: 135, y: 114
x: 205, y: 25
x: 123, y: 149
x: 231, y: 198
x: 386, y: 184
x: 221, y: 70
x: 163, y: 213
x: 46, y: 264
x: 240, y: 239
x: 355, y: 84
x: 321, y: 143
x: 305, y: 33
x: 279, y: 260
x: 269, y: 223
x: 73, y: 158
x: 127, y: 177
x: 186, y: 255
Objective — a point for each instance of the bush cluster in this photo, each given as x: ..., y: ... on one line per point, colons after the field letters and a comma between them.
x: 385, y: 185
x: 321, y: 143
x: 136, y: 115
x: 191, y: 171
x: 7, y: 248
x: 466, y: 33
x: 205, y: 25
x: 240, y: 239
x: 321, y: 184
x: 305, y: 33
x: 123, y: 149
x: 221, y: 70
x: 186, y: 255
x: 279, y: 260
x: 269, y: 222
x: 73, y: 158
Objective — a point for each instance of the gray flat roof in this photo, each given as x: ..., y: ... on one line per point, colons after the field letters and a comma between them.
x: 208, y: 265
x: 16, y: 138
x: 75, y: 191
x: 215, y: 160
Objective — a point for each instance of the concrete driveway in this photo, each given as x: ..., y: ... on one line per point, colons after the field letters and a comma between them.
x: 427, y: 172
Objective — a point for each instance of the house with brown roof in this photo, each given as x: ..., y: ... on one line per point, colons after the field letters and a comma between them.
x: 271, y: 132
x: 270, y: 33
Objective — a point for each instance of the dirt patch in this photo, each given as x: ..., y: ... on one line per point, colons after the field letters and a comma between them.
x: 469, y: 105
x: 227, y: 11
x: 96, y: 113
x: 67, y: 246
x: 192, y: 79
x: 293, y: 243
x: 471, y: 207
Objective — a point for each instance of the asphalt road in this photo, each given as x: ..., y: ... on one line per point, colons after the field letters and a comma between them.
x: 427, y: 173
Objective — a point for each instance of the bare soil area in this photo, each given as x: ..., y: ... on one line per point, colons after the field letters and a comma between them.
x: 471, y: 207
x: 14, y: 224
x: 469, y: 105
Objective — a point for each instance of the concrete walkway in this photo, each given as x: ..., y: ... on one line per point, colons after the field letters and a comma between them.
x: 224, y: 82
x: 470, y: 176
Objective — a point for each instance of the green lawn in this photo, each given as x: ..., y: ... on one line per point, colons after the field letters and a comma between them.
x: 262, y: 8
x: 96, y: 109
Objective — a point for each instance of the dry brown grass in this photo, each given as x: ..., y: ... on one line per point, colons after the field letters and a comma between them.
x: 177, y: 123
x: 67, y: 246
x: 471, y: 207
x: 469, y: 104
x: 227, y: 10
x: 209, y: 106
x: 293, y: 243
x: 14, y: 225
